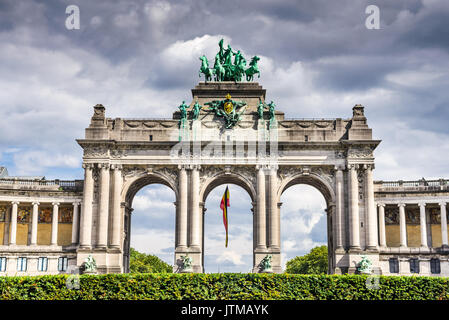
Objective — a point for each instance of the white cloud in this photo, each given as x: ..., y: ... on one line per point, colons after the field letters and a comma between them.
x: 230, y: 256
x: 35, y: 162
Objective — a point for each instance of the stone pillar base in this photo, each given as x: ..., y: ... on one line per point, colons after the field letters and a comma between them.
x: 259, y: 255
x: 194, y: 253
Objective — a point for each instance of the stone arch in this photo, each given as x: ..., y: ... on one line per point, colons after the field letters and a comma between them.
x: 222, y: 178
x: 132, y: 185
x: 134, y: 182
x: 321, y: 184
x: 313, y: 180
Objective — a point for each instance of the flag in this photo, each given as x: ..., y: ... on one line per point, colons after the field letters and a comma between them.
x: 224, y: 206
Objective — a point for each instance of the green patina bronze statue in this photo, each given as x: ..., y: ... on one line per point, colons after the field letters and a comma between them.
x: 196, y: 110
x: 186, y: 263
x: 183, y: 108
x: 265, y: 264
x: 365, y: 265
x: 227, y: 70
x: 271, y: 106
x: 227, y: 109
x: 90, y: 266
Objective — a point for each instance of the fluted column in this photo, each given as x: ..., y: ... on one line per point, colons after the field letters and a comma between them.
x: 116, y: 210
x: 273, y: 211
x: 339, y: 209
x: 261, y: 210
x: 75, y: 223
x: 370, y: 209
x: 443, y: 224
x: 382, y: 235
x: 182, y: 208
x: 34, y: 221
x: 86, y: 212
x: 54, y: 224
x: 354, y: 234
x: 102, y: 231
x: 13, y: 223
x: 195, y: 207
x: 402, y: 225
x: 423, y: 224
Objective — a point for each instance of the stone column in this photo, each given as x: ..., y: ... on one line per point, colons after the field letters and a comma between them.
x: 116, y: 220
x: 354, y: 234
x: 182, y: 208
x: 102, y: 231
x: 75, y: 223
x: 261, y: 240
x: 34, y: 221
x: 423, y: 224
x: 370, y: 209
x: 444, y: 242
x: 382, y: 235
x: 339, y: 209
x: 402, y: 225
x: 195, y: 207
x: 54, y: 224
x: 86, y: 212
x: 13, y: 223
x: 273, y: 211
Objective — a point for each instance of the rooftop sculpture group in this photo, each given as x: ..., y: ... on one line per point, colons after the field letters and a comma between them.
x: 226, y: 70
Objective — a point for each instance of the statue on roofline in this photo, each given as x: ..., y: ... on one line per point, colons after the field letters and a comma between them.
x: 196, y: 110
x: 227, y: 70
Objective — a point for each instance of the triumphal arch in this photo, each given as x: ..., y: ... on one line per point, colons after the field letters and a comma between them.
x: 228, y: 133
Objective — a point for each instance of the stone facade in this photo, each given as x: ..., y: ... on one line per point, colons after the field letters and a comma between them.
x: 383, y: 220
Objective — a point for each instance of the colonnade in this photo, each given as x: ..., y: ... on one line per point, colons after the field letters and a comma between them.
x: 34, y: 223
x: 403, y: 227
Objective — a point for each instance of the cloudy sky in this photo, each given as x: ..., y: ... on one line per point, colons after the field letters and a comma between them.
x: 140, y: 59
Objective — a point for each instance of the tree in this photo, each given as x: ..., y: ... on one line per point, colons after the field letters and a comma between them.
x: 315, y: 262
x: 147, y: 263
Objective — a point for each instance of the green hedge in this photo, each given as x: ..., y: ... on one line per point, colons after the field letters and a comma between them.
x: 223, y: 286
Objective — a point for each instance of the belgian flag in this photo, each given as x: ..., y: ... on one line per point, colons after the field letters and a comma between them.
x: 224, y: 206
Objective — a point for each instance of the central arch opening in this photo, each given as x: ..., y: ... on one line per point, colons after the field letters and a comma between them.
x: 237, y: 256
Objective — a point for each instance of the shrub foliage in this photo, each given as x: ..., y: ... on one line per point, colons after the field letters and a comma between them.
x: 165, y: 286
x: 315, y: 262
x: 147, y: 263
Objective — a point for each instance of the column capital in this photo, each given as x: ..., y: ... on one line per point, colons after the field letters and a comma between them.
x: 421, y: 204
x: 15, y: 202
x: 35, y: 203
x: 442, y: 203
x: 76, y: 203
x: 183, y: 166
x: 368, y: 166
x: 339, y: 168
x: 116, y: 167
x: 381, y: 204
x: 104, y: 165
x: 401, y: 204
x: 89, y: 166
x: 353, y: 166
x: 194, y: 167
x: 55, y: 203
